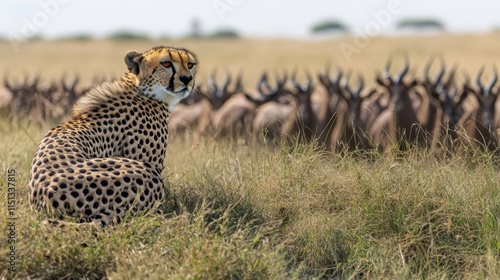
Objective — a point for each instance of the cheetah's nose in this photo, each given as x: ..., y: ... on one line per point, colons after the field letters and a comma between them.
x: 186, y: 79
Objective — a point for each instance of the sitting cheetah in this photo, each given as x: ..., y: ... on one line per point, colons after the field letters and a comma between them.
x: 108, y: 159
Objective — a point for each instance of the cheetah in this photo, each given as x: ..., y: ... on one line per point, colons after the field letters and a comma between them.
x: 107, y: 160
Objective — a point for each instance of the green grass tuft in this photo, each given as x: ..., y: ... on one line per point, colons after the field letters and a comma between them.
x: 238, y: 211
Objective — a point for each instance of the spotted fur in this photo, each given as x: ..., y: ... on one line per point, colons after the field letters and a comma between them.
x: 108, y: 159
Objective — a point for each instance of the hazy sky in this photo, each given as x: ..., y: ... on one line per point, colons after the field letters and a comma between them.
x: 291, y: 18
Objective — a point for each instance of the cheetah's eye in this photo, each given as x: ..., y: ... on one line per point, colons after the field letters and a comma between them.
x: 166, y: 64
x: 190, y: 65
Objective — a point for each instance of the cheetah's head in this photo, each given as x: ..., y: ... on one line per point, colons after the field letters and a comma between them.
x: 163, y: 73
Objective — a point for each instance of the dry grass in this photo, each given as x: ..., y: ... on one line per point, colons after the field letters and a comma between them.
x: 252, y: 56
x: 250, y: 212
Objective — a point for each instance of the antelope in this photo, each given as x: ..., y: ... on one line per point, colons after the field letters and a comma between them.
x: 235, y: 117
x: 269, y: 118
x: 200, y: 112
x: 336, y: 113
x: 26, y: 98
x: 7, y: 92
x: 301, y: 120
x: 450, y: 101
x: 402, y: 119
x: 436, y: 95
x: 188, y: 114
x: 350, y: 128
x: 70, y: 90
x: 18, y: 94
x: 36, y: 102
x: 217, y: 95
x: 325, y: 105
x: 485, y: 132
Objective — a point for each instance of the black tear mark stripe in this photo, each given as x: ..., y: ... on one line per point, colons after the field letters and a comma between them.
x: 171, y: 82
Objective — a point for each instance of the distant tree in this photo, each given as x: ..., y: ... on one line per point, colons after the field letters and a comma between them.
x: 127, y: 35
x: 77, y: 37
x: 165, y: 37
x: 81, y: 37
x: 329, y: 26
x: 225, y: 33
x: 36, y: 37
x: 417, y: 23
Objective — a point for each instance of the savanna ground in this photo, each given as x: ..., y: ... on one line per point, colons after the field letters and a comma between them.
x: 239, y: 211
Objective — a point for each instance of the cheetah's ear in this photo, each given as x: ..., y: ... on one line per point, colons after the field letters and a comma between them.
x: 133, y: 59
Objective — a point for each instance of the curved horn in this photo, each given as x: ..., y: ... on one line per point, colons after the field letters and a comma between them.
x: 211, y: 79
x: 262, y: 82
x: 336, y: 79
x: 451, y: 76
x: 263, y: 78
x: 75, y: 82
x: 478, y: 80
x: 277, y: 79
x: 36, y: 79
x: 387, y: 69
x: 441, y: 72
x: 466, y: 77
x: 427, y: 68
x: 252, y: 99
x: 328, y: 66
x: 228, y: 79
x: 293, y: 77
x: 493, y: 81
x: 238, y: 85
x: 324, y: 80
x: 285, y: 78
x: 63, y: 82
x: 308, y: 78
x: 405, y: 70
x: 361, y: 85
x: 280, y: 82
x: 347, y: 87
x: 463, y: 96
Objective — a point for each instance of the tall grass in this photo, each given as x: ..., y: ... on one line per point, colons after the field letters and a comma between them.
x: 239, y: 211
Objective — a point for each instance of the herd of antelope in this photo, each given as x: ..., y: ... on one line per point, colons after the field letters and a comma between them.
x: 431, y: 112
x: 29, y: 99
